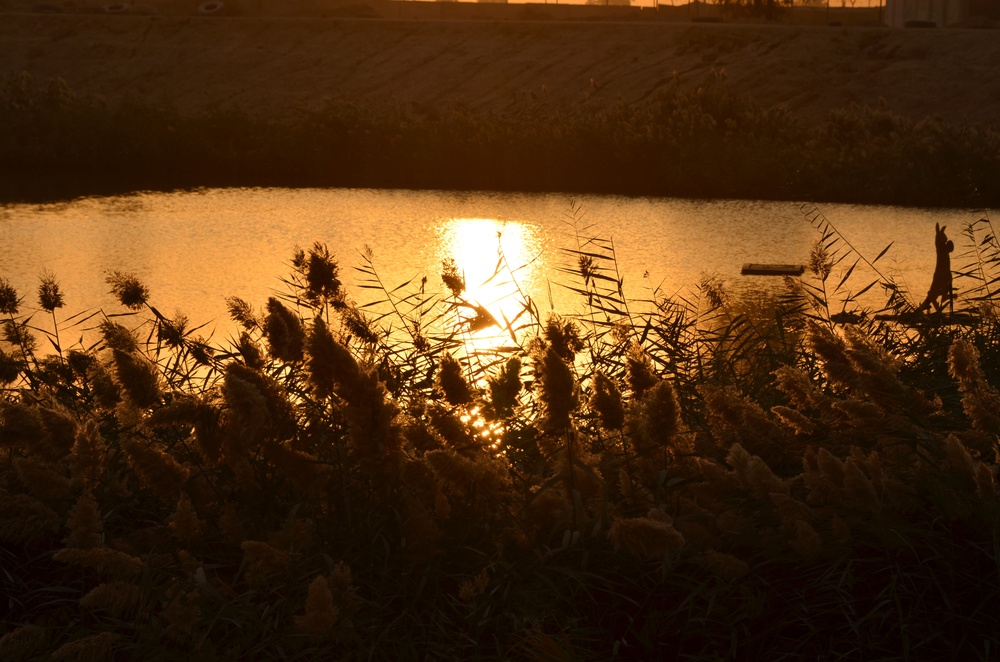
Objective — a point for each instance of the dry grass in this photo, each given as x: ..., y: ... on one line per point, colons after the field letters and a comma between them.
x: 662, y: 479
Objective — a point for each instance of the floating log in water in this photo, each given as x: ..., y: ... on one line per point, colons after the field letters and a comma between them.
x: 756, y: 269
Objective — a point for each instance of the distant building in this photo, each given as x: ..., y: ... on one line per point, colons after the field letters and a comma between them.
x: 929, y: 13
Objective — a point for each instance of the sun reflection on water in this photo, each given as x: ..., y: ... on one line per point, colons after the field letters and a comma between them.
x: 500, y: 262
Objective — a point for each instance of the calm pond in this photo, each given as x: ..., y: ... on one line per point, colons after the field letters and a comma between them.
x: 193, y: 249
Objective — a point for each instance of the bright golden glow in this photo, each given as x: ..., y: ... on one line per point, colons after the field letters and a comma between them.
x: 500, y: 263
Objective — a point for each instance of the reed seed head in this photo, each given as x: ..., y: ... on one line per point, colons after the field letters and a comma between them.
x: 321, y: 271
x: 820, y: 262
x: 640, y: 373
x: 116, y: 598
x: 331, y: 366
x: 558, y: 390
x: 158, y: 470
x: 963, y: 364
x: 659, y: 416
x: 284, y: 332
x: 263, y: 561
x: 321, y: 614
x: 242, y: 313
x: 9, y: 301
x: 96, y: 648
x: 10, y: 368
x: 103, y: 559
x: 129, y: 290
x: 26, y: 520
x: 606, y: 400
x: 451, y: 381
x: 23, y: 643
x: 138, y: 377
x: 50, y: 295
x: 84, y: 523
x: 563, y: 336
x: 505, y: 386
x: 451, y: 278
x: 645, y: 537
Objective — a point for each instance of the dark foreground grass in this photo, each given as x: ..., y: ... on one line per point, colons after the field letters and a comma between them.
x: 661, y: 479
x: 693, y: 139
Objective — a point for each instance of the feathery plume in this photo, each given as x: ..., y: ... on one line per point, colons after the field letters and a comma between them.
x: 606, y: 400
x: 321, y: 275
x: 469, y: 589
x: 858, y: 488
x: 360, y: 326
x: 505, y: 386
x: 26, y: 520
x: 118, y: 337
x: 242, y: 313
x: 451, y: 278
x: 332, y: 368
x: 157, y: 470
x: 87, y: 455
x: 247, y: 405
x: 640, y: 373
x: 451, y: 381
x: 794, y: 419
x: 806, y: 542
x: 832, y: 352
x: 116, y: 598
x: 714, y: 290
x: 128, y: 289
x: 102, y: 559
x: 60, y: 427
x: 563, y: 336
x: 557, y: 390
x: 20, y: 425
x: 658, y: 418
x: 263, y: 561
x: 645, y: 537
x: 963, y: 363
x: 50, y: 295
x: 724, y: 566
x: 284, y: 332
x: 820, y: 262
x: 251, y: 352
x: 10, y: 368
x: 181, y: 613
x: 138, y: 378
x: 95, y: 648
x: 321, y: 614
x: 184, y: 521
x: 9, y: 301
x: 23, y: 644
x: 42, y: 480
x: 84, y: 523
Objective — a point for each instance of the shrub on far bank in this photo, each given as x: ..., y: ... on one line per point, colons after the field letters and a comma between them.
x: 694, y: 139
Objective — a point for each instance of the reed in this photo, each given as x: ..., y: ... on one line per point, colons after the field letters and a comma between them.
x: 643, y: 478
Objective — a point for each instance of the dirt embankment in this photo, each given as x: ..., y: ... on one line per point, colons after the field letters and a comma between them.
x: 278, y: 65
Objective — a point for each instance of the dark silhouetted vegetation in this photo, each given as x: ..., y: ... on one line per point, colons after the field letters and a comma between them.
x: 666, y: 478
x: 693, y: 139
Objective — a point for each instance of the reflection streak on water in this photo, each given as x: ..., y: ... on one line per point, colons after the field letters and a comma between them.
x: 499, y: 262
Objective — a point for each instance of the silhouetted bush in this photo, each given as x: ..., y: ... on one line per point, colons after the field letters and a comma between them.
x: 692, y: 139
